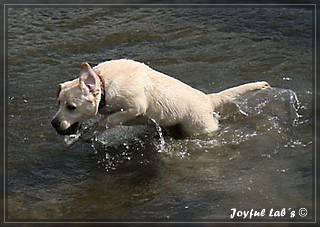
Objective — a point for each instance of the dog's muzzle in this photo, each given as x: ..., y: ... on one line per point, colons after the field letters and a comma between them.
x: 71, y: 130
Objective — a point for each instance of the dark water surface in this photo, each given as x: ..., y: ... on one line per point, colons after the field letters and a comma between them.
x: 261, y: 158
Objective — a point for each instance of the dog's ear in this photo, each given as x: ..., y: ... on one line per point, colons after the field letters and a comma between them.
x: 58, y: 90
x: 87, y: 78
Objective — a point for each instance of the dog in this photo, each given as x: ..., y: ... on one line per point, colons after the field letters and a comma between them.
x: 127, y: 91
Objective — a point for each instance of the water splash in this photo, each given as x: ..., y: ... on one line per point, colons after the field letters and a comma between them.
x: 93, y: 142
x: 88, y: 132
x: 160, y: 134
x: 122, y: 146
x: 272, y: 112
x: 273, y: 103
x: 71, y: 139
x: 296, y: 106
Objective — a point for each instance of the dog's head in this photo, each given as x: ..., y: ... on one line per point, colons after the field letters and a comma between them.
x: 78, y: 100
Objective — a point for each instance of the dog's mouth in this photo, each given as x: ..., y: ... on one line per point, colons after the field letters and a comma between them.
x: 69, y: 131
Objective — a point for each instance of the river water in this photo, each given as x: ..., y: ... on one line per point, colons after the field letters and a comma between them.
x: 261, y: 158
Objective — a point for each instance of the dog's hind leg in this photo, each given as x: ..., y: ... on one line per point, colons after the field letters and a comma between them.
x: 203, y: 123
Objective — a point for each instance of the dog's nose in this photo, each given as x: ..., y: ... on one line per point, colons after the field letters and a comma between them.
x: 55, y: 123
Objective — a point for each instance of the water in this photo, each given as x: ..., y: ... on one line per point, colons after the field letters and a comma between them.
x: 260, y: 158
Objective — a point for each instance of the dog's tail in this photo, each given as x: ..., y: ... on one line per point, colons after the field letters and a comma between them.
x: 228, y: 95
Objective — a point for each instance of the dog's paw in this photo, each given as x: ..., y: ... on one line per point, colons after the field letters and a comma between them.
x: 263, y: 85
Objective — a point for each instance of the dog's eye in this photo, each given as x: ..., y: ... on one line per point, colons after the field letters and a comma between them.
x: 71, y: 107
x: 58, y: 103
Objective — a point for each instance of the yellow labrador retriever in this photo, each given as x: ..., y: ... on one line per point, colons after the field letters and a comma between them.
x: 126, y: 90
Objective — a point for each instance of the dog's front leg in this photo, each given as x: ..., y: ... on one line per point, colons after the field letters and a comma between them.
x: 121, y: 117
